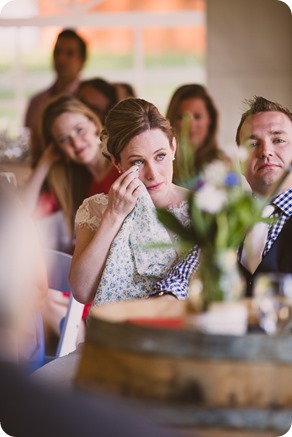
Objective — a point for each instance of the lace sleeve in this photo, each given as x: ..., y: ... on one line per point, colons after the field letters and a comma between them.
x: 182, y: 213
x: 90, y: 212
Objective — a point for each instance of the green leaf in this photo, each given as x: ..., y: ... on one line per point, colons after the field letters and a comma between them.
x: 172, y: 223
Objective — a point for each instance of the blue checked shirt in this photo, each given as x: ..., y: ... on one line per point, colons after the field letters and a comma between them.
x: 177, y: 279
x: 283, y: 212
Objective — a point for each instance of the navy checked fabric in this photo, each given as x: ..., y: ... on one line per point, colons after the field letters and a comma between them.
x: 177, y: 279
x: 283, y: 213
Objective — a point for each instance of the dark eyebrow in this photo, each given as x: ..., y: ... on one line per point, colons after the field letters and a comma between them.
x: 250, y: 137
x: 134, y: 156
x: 256, y: 137
x: 141, y: 156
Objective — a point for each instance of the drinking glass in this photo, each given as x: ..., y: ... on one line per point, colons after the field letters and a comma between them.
x: 273, y: 302
x: 9, y: 177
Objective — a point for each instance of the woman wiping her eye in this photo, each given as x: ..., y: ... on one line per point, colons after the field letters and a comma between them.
x: 111, y: 261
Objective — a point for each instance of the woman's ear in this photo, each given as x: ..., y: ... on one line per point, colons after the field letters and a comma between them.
x: 115, y: 163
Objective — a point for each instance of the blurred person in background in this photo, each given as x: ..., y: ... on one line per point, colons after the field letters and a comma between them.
x: 124, y: 90
x: 194, y: 118
x: 69, y: 57
x: 72, y: 165
x: 99, y: 95
x: 23, y: 283
x: 71, y: 168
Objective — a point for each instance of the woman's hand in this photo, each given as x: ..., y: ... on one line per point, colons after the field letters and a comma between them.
x: 124, y: 193
x: 50, y: 155
x: 32, y: 189
x: 92, y: 247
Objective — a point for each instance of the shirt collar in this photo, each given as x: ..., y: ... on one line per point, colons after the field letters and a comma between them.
x: 284, y: 202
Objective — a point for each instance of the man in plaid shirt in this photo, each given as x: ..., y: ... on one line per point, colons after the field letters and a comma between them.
x: 265, y: 130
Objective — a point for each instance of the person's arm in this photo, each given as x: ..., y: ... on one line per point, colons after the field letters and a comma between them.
x: 92, y: 247
x: 176, y: 281
x: 31, y: 190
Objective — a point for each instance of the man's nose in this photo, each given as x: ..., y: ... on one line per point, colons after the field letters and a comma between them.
x: 266, y: 148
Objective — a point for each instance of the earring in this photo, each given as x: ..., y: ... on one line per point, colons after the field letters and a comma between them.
x: 119, y: 171
x: 173, y: 158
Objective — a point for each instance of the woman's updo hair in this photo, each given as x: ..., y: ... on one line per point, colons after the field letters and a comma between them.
x: 129, y: 118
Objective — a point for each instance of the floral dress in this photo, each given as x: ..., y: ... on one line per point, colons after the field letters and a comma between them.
x: 133, y: 264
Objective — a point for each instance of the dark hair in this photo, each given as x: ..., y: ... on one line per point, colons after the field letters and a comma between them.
x: 71, y: 33
x: 104, y: 87
x: 127, y: 87
x: 129, y: 118
x: 209, y: 149
x: 260, y: 104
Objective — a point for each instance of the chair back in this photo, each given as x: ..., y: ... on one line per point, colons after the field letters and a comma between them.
x: 58, y: 266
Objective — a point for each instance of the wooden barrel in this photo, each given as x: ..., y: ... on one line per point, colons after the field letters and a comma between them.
x: 189, y: 379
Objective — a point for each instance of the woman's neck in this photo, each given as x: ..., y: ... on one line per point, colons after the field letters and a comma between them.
x: 174, y: 198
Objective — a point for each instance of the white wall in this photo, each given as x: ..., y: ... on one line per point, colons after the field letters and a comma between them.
x: 249, y: 52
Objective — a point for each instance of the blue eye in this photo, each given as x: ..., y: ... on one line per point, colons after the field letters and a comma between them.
x: 161, y: 156
x: 137, y: 162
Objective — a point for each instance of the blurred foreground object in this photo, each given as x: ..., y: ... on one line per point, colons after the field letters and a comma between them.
x: 144, y: 352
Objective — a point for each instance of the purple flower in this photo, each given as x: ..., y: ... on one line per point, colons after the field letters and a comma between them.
x: 232, y: 179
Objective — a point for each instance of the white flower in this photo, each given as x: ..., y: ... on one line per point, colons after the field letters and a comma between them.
x: 210, y: 199
x: 215, y: 173
x: 236, y: 153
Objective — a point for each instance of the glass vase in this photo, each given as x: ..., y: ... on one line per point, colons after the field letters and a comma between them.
x: 219, y: 277
x: 214, y: 305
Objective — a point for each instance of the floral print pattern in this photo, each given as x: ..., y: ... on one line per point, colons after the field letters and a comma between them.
x: 133, y: 266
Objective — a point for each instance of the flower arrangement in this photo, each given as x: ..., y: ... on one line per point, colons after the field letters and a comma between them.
x: 221, y: 211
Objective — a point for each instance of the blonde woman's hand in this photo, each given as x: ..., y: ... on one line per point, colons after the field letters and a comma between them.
x: 51, y: 155
x: 124, y: 193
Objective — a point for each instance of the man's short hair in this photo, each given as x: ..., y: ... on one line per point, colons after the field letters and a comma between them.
x: 71, y: 33
x: 260, y: 104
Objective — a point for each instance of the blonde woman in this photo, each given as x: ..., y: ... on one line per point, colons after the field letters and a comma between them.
x: 72, y: 166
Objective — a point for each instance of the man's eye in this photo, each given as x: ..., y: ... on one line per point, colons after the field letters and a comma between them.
x: 252, y: 144
x: 161, y: 156
x: 278, y: 140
